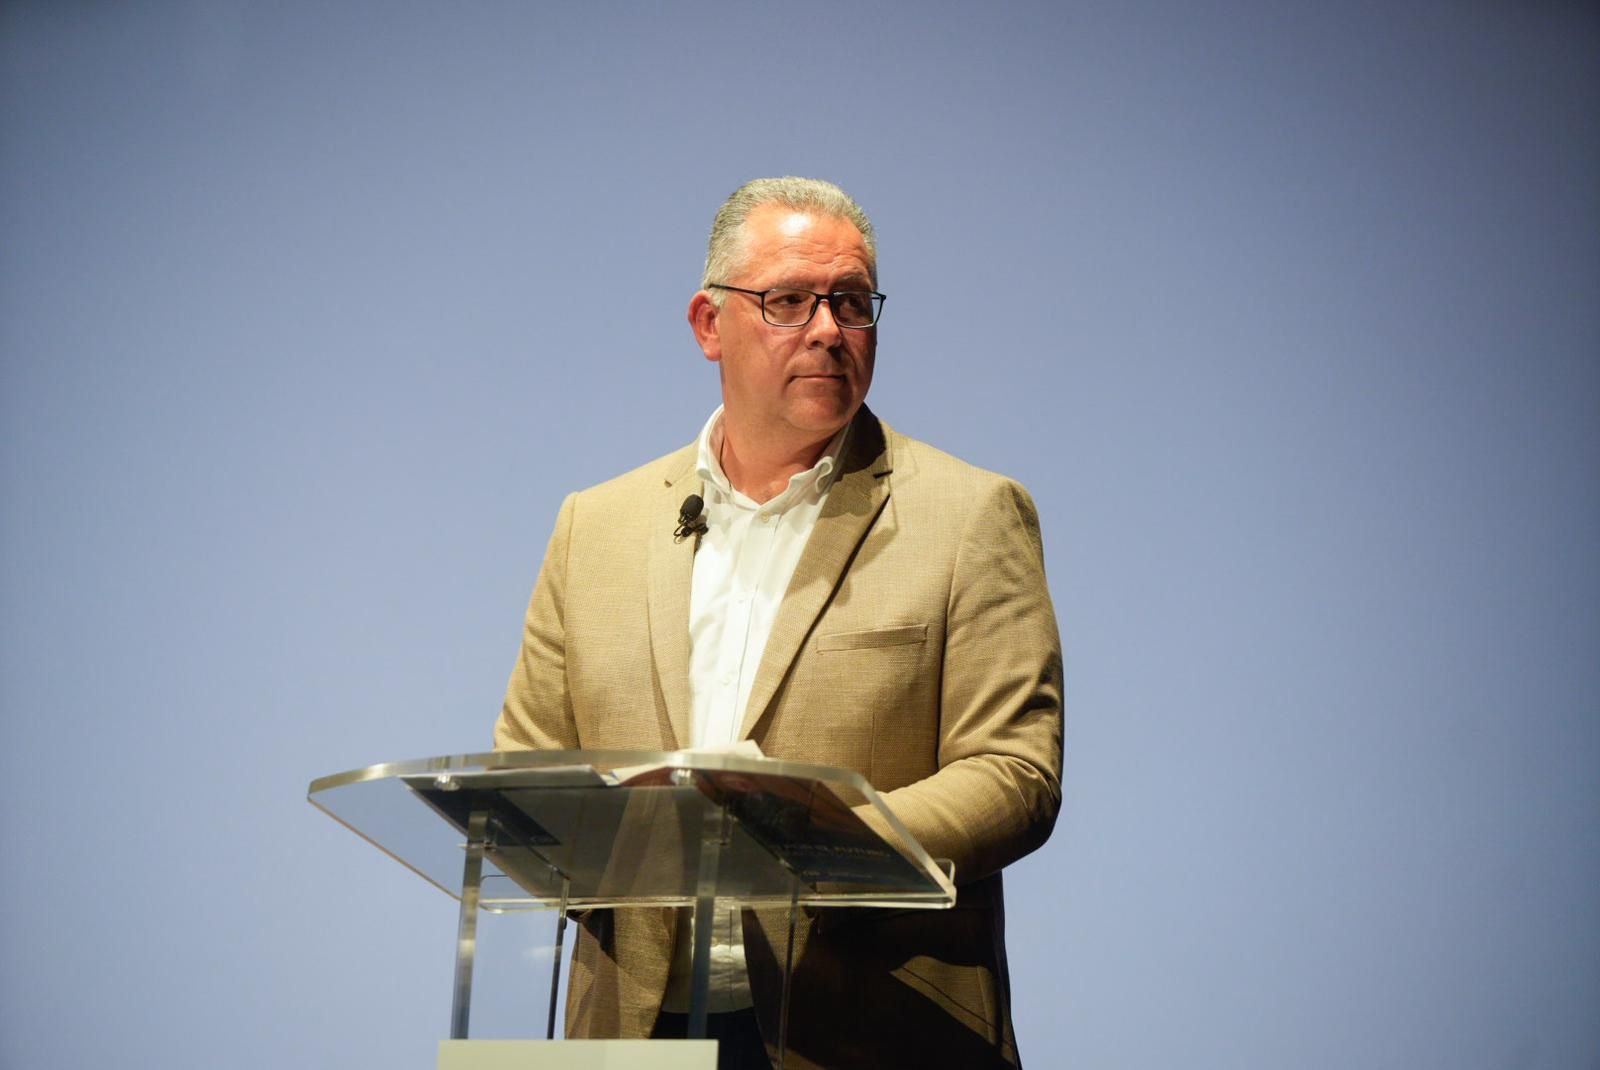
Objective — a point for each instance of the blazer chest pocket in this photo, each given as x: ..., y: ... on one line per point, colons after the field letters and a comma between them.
x: 899, y: 635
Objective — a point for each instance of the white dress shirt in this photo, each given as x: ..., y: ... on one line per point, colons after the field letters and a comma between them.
x: 741, y: 571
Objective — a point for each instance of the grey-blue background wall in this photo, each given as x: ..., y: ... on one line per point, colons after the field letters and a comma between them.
x: 1286, y: 312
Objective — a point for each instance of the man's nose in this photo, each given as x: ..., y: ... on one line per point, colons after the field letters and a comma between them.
x: 823, y: 329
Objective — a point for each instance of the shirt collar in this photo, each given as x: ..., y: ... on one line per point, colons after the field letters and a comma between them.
x: 709, y: 467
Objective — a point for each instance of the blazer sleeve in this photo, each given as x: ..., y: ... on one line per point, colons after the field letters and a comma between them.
x: 537, y: 713
x: 996, y: 792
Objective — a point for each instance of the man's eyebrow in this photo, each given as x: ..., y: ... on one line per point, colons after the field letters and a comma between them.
x: 849, y: 282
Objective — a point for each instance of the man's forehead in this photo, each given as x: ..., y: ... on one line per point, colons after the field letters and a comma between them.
x: 782, y: 220
x: 777, y: 233
x: 793, y: 221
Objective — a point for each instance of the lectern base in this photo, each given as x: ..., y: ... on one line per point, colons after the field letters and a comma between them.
x: 578, y: 1054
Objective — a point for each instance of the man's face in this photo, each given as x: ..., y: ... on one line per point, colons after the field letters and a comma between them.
x: 791, y: 386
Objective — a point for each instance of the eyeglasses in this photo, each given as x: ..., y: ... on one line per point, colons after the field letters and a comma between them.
x: 783, y: 307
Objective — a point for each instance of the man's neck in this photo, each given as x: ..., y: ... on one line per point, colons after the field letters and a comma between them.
x: 761, y: 471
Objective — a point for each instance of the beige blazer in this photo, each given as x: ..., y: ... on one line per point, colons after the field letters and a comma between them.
x: 916, y: 644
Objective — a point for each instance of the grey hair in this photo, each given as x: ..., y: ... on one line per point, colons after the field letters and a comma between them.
x: 725, y: 250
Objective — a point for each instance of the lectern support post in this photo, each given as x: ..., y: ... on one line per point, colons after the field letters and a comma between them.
x: 713, y: 836
x: 555, y: 958
x: 788, y: 973
x: 467, y: 926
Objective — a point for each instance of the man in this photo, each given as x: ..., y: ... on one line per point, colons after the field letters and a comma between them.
x: 858, y: 599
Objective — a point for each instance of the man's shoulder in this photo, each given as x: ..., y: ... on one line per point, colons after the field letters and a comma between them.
x: 918, y: 464
x: 943, y: 497
x: 649, y: 477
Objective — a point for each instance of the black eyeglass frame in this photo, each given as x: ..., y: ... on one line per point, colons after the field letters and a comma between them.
x: 816, y: 302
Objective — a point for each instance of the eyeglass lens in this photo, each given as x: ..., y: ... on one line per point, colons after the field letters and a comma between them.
x: 791, y: 308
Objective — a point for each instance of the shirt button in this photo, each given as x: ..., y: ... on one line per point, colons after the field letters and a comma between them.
x: 766, y: 518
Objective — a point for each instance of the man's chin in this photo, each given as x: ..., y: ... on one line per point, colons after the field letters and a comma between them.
x: 822, y: 398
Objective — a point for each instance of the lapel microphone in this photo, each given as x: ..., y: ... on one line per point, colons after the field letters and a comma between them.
x: 691, y: 518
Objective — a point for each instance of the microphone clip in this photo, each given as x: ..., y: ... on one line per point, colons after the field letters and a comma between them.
x: 691, y: 519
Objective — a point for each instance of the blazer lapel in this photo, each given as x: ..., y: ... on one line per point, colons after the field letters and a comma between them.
x: 851, y: 506
x: 670, y: 569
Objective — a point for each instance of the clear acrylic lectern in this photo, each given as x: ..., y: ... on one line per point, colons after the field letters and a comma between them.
x: 577, y: 830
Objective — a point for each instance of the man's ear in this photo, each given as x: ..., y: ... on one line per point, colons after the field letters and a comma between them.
x: 703, y: 321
